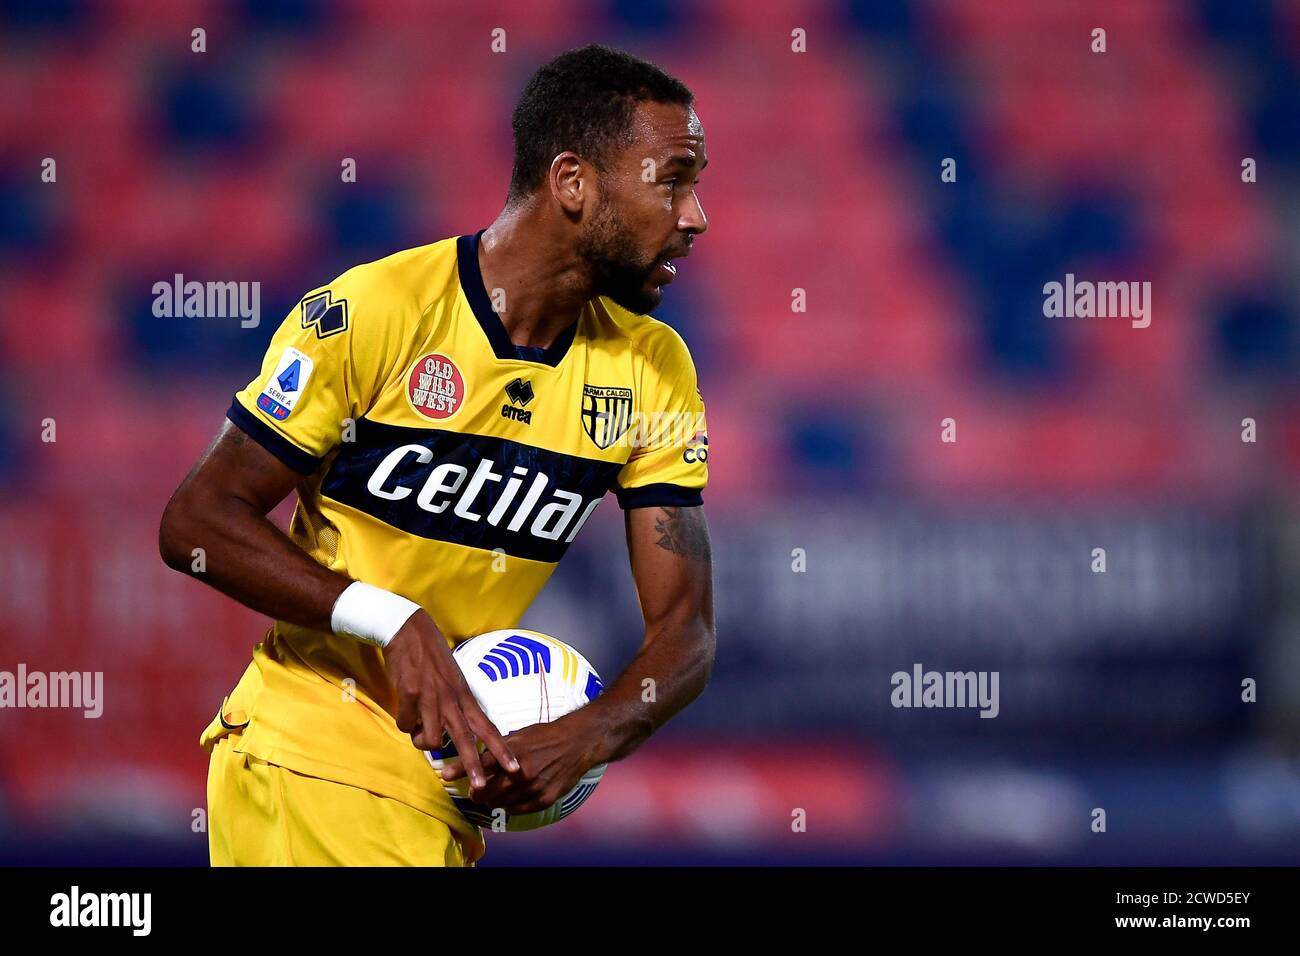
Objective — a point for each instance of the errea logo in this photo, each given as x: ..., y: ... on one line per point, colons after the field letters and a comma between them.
x: 325, y: 315
x: 520, y: 393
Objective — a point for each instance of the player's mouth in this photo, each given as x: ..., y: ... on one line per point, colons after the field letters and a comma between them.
x: 664, y: 272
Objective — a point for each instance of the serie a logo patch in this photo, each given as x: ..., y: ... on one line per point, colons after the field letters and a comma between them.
x: 285, y: 386
x: 435, y: 388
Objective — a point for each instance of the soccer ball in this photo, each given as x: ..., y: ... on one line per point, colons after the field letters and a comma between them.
x: 521, y: 678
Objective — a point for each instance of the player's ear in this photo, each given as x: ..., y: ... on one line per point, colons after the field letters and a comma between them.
x: 568, y: 181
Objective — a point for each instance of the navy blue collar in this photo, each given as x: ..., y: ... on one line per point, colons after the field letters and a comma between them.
x: 471, y: 281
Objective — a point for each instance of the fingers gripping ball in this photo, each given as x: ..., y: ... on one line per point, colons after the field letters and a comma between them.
x: 521, y: 678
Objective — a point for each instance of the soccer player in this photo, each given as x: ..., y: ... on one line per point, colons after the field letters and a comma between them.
x: 450, y: 416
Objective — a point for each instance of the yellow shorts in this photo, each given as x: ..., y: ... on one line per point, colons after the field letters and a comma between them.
x: 260, y: 814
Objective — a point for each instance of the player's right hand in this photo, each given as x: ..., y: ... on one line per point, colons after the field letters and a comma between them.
x: 432, y: 695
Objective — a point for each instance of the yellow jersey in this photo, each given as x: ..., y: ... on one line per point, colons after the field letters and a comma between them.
x: 446, y: 464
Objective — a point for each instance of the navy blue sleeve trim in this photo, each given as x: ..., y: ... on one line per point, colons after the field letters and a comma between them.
x: 279, y: 446
x: 658, y: 496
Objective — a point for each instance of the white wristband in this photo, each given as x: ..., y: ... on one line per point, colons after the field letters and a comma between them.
x: 370, y: 614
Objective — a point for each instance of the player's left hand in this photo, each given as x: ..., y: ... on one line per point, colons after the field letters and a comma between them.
x: 552, y: 759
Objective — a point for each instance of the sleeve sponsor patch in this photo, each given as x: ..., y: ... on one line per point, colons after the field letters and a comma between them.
x: 282, y: 391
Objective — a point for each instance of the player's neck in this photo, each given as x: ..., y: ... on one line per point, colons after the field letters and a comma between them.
x: 536, y: 293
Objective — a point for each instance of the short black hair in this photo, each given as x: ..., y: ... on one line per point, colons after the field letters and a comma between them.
x: 583, y: 101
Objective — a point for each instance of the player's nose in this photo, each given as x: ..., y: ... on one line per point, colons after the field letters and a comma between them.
x: 693, y: 219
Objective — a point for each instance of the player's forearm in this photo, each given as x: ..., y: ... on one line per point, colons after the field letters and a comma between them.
x: 669, y: 672
x: 228, y: 544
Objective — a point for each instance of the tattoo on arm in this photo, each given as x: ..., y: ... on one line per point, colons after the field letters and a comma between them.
x: 683, y: 531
